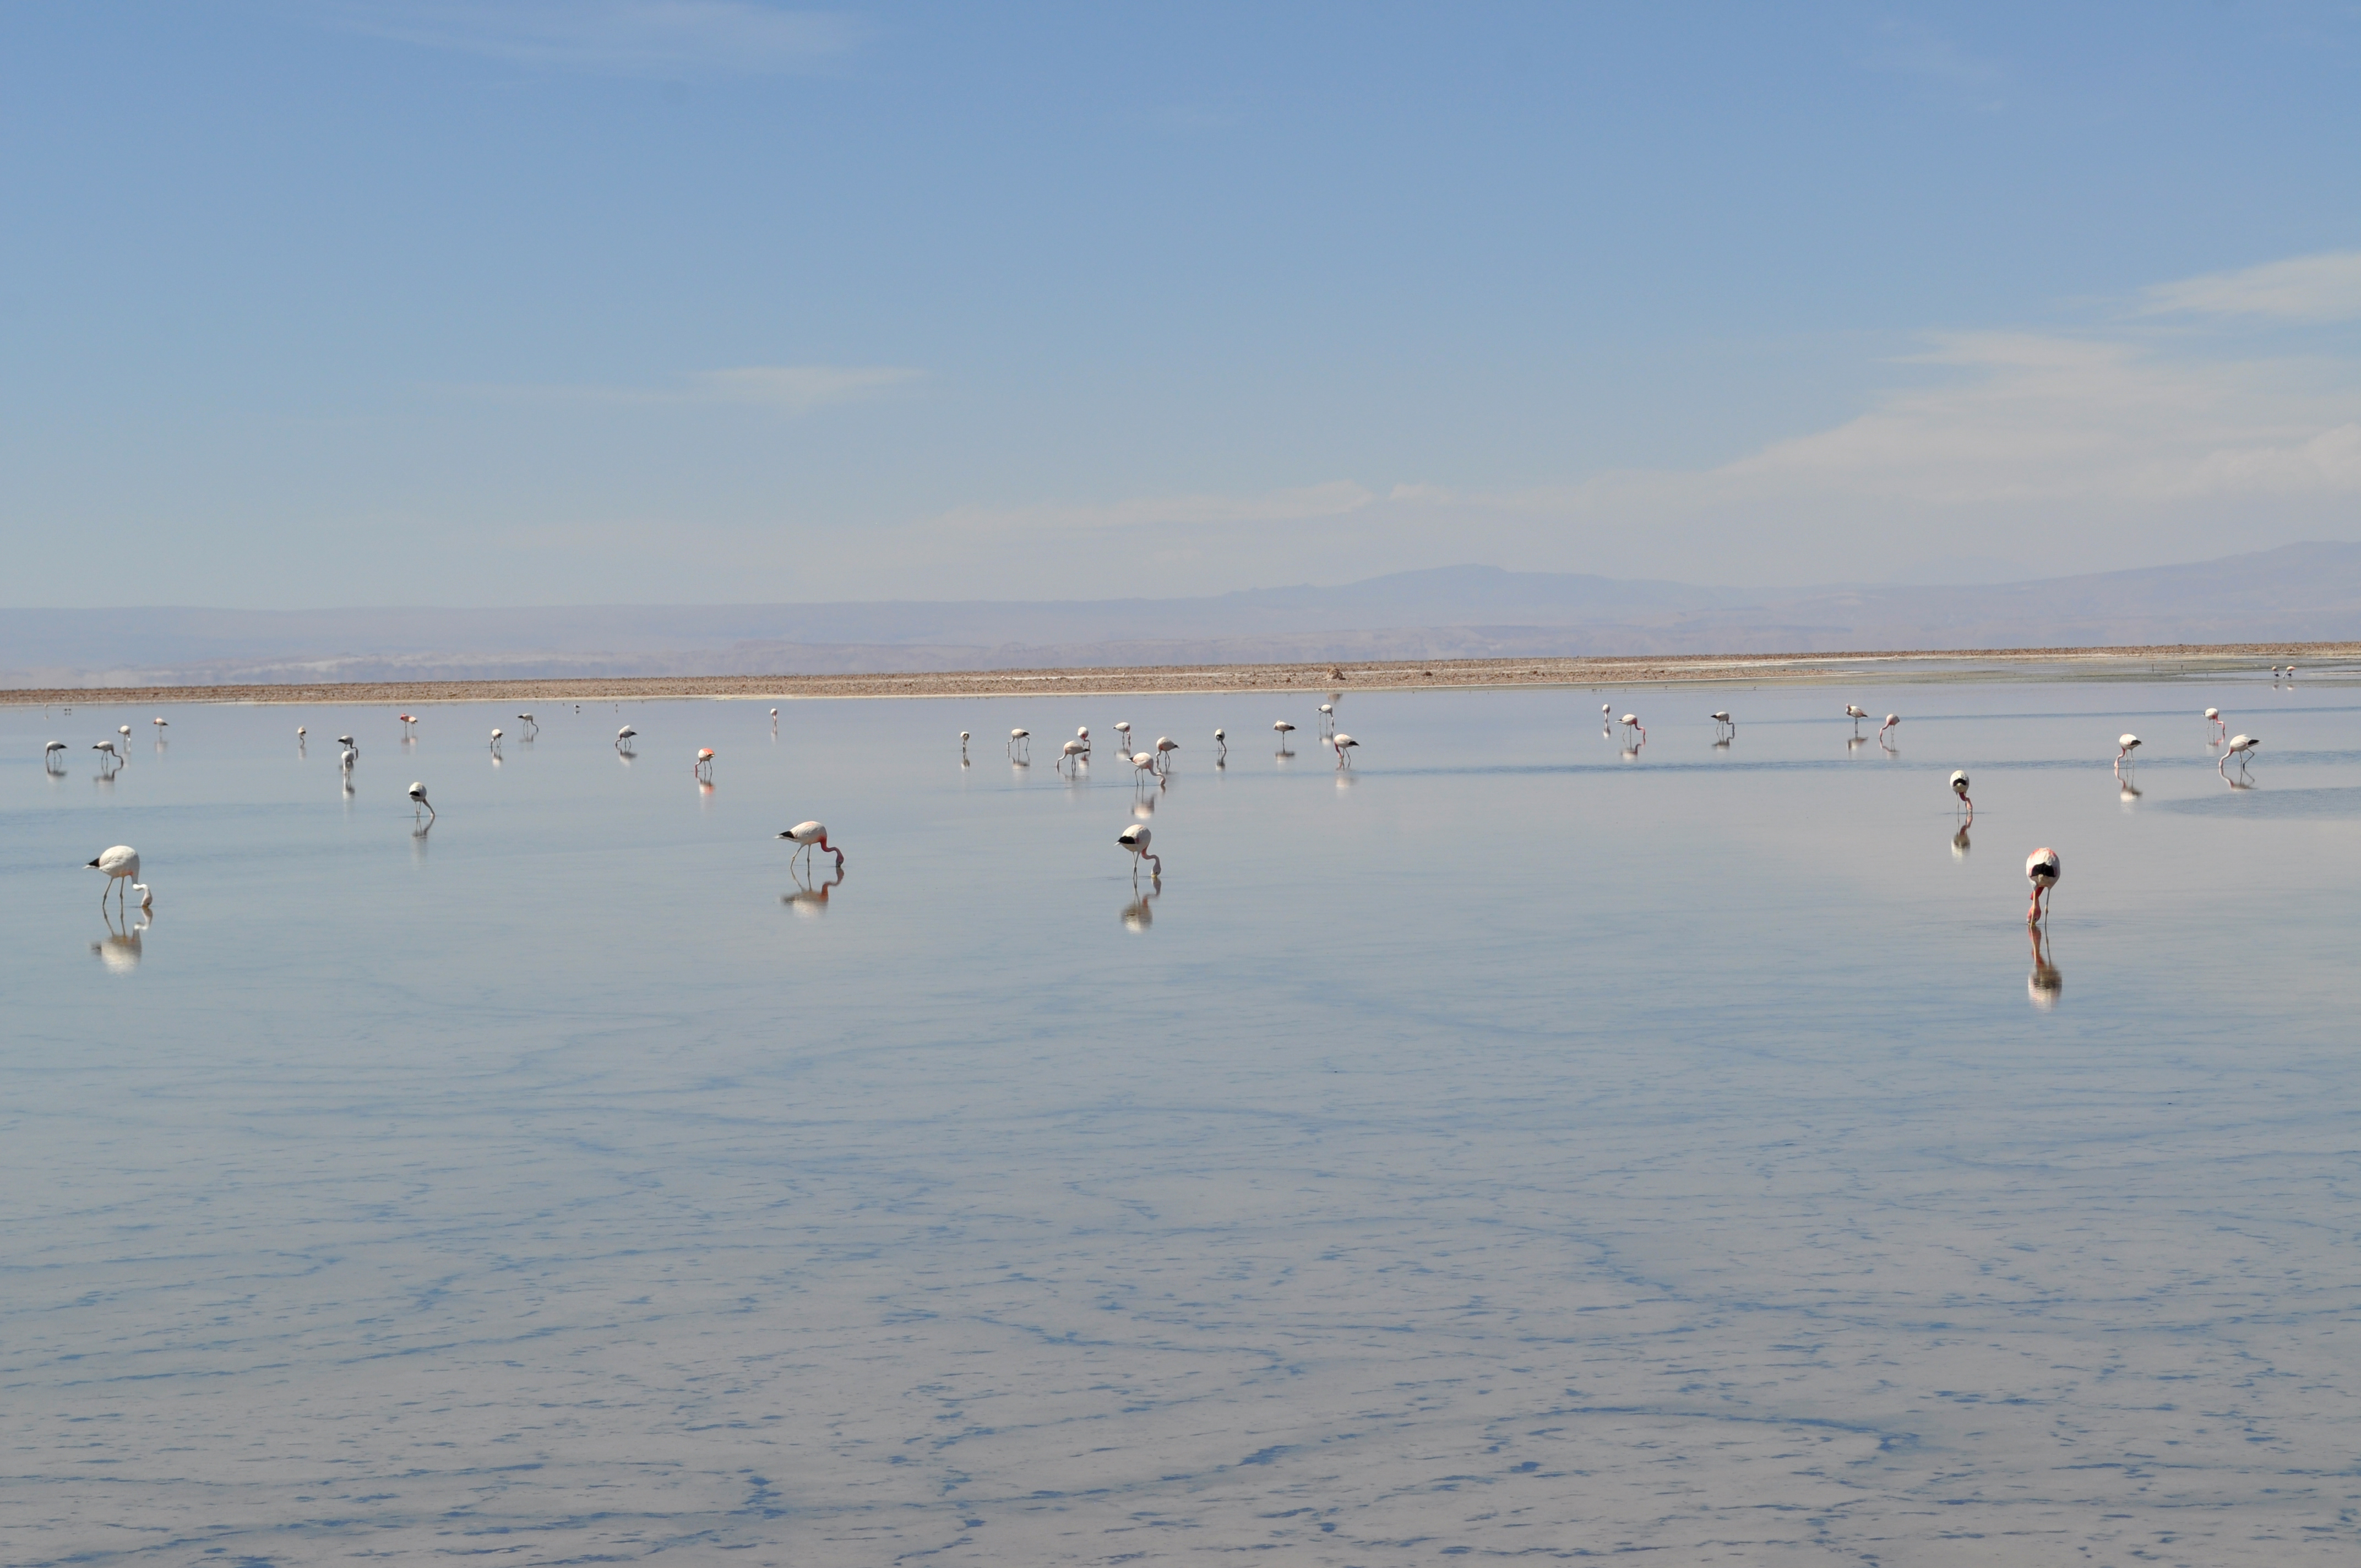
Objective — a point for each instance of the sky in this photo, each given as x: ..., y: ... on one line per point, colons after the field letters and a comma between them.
x: 528, y: 303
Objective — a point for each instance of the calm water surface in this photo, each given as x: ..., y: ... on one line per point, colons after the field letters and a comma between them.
x: 1508, y: 1148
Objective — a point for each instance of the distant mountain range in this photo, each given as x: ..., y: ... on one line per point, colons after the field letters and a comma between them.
x: 2300, y: 593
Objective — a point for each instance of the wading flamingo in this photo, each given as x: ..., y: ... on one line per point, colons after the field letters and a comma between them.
x: 121, y: 865
x: 1135, y: 838
x: 2041, y: 869
x: 808, y: 836
x: 417, y: 800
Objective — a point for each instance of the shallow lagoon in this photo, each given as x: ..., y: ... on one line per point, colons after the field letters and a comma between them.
x: 1511, y: 1146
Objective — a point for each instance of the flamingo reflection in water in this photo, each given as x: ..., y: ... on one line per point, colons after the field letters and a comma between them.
x: 809, y: 900
x: 2044, y: 984
x: 122, y: 949
x: 1960, y: 841
x: 1138, y: 915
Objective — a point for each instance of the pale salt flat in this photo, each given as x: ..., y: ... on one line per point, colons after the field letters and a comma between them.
x: 1511, y: 1150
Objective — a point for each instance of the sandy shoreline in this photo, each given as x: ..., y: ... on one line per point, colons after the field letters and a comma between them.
x: 2018, y: 663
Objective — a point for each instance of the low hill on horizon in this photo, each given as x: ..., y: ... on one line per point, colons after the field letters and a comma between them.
x: 2297, y: 593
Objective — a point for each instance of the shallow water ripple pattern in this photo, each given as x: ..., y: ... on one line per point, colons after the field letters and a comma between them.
x: 1510, y: 1149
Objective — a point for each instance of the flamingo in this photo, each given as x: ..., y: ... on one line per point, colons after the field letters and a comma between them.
x: 121, y: 864
x: 804, y: 836
x: 1960, y: 788
x: 124, y: 731
x: 301, y: 733
x: 963, y: 741
x: 1723, y: 722
x: 346, y: 758
x: 1027, y: 737
x: 409, y: 726
x: 1074, y: 751
x: 2126, y: 744
x: 1282, y: 727
x: 1135, y: 838
x: 527, y: 719
x: 623, y: 738
x: 1084, y: 735
x: 704, y: 768
x: 2241, y: 747
x: 51, y: 756
x: 1165, y: 747
x: 418, y: 799
x: 2221, y: 731
x: 161, y: 723
x: 774, y: 719
x: 2041, y: 869
x: 1344, y: 745
x: 1632, y: 721
x: 1143, y: 767
x: 349, y: 744
x: 1856, y: 713
x: 1123, y: 727
x: 496, y: 743
x: 1604, y: 711
x: 108, y: 758
x: 1891, y: 720
x: 1328, y: 716
x: 1221, y: 738
x: 147, y: 899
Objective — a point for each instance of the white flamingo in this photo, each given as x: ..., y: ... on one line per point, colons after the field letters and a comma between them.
x: 1221, y: 739
x: 1135, y: 838
x: 809, y: 835
x: 496, y: 743
x: 2220, y: 730
x: 1283, y: 728
x: 1074, y: 751
x: 1891, y: 720
x: 53, y: 754
x: 1344, y: 745
x: 1165, y: 747
x: 1143, y: 767
x: 1960, y: 788
x: 623, y: 738
x: 1122, y: 729
x: 1855, y: 712
x: 2041, y: 869
x: 1025, y: 737
x: 964, y: 737
x: 2241, y: 747
x: 121, y: 865
x: 1632, y: 721
x: 1722, y: 721
x: 704, y: 768
x: 418, y: 799
x: 533, y: 725
x: 2126, y: 744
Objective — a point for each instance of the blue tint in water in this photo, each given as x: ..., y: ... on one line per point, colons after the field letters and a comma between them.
x: 1506, y: 1144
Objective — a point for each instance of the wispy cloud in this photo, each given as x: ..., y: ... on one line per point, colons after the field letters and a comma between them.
x: 790, y: 389
x: 625, y: 38
x: 2325, y: 287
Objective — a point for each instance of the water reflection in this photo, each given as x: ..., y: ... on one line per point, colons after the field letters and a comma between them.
x: 1959, y: 844
x: 2044, y: 984
x: 811, y: 901
x: 1139, y: 913
x: 121, y: 951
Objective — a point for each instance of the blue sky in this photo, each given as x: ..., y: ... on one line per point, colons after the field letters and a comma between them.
x: 356, y: 302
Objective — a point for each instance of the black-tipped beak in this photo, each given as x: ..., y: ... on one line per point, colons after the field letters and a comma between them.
x: 782, y: 836
x: 94, y: 865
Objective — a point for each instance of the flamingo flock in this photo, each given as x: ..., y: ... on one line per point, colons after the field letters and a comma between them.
x: 120, y: 864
